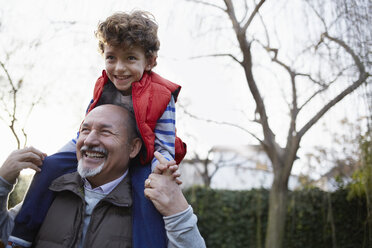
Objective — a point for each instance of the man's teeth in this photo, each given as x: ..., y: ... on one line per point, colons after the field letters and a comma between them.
x: 94, y: 155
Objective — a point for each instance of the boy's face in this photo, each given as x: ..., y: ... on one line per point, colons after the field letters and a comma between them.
x: 125, y: 66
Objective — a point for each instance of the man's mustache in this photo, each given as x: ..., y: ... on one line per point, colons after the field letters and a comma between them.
x: 86, y: 148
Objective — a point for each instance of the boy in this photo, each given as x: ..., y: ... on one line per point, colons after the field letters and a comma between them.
x: 129, y: 45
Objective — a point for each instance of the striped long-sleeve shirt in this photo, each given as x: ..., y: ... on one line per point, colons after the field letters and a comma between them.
x: 165, y: 133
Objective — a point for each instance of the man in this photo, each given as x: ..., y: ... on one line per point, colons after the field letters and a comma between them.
x: 92, y: 207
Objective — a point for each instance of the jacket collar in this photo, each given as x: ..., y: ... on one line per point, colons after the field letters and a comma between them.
x: 121, y: 195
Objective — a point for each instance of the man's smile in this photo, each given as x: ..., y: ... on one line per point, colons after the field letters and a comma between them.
x: 93, y: 152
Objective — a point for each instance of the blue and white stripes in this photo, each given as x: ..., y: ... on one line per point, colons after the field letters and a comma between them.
x: 165, y: 133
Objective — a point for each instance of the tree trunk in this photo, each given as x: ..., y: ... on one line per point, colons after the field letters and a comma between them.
x: 277, y: 212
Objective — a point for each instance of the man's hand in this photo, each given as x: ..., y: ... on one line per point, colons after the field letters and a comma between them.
x: 21, y: 159
x: 166, y: 167
x: 165, y: 194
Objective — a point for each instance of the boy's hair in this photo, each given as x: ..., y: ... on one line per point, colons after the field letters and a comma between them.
x: 129, y: 29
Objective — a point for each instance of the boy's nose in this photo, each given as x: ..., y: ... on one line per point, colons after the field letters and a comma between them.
x: 120, y: 66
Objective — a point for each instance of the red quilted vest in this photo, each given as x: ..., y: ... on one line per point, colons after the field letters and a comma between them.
x: 150, y: 97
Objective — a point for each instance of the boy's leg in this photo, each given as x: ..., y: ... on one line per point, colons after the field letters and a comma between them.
x: 148, y: 224
x: 39, y: 197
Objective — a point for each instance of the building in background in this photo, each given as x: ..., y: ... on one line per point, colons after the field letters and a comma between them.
x: 230, y: 167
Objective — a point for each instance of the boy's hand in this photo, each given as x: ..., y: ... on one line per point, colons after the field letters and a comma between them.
x: 166, y: 167
x: 21, y: 159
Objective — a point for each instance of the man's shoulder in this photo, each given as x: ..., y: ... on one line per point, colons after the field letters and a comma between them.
x: 70, y: 181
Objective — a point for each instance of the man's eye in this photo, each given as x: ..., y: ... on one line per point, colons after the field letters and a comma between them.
x: 84, y: 130
x: 106, y: 132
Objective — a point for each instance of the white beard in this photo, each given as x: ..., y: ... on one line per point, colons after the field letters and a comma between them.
x: 88, y: 172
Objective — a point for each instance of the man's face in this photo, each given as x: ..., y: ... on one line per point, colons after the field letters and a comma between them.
x: 125, y: 66
x: 103, y: 141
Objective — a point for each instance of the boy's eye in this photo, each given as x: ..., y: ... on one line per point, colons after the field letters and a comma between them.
x: 132, y: 58
x: 110, y: 57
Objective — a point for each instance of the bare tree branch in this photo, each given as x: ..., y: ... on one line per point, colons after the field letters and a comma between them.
x: 265, y: 29
x: 269, y: 142
x: 8, y: 76
x: 207, y: 4
x: 363, y: 76
x: 323, y: 85
x: 222, y: 123
x: 331, y: 103
x: 348, y: 49
x: 6, y: 108
x: 245, y: 11
x: 253, y: 14
x: 12, y: 114
x: 217, y: 55
x: 318, y: 15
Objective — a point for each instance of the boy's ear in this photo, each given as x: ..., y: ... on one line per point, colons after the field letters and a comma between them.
x: 151, y: 63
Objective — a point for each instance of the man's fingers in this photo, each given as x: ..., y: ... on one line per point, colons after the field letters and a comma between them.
x: 29, y: 154
x: 151, y: 194
x: 173, y: 168
x: 31, y: 157
x: 32, y: 149
x: 30, y: 165
x: 176, y: 174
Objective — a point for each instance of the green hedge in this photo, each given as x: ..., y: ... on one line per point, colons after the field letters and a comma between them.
x: 237, y: 219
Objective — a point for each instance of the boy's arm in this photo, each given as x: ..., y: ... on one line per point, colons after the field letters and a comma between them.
x: 165, y: 133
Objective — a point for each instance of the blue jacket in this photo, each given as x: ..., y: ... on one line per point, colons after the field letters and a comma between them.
x: 148, y: 225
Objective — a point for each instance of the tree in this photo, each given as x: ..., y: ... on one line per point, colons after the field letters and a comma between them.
x: 20, y: 90
x: 206, y: 167
x: 10, y: 106
x: 327, y: 62
x: 16, y: 102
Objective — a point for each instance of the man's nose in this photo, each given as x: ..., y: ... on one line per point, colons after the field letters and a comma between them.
x: 91, y: 139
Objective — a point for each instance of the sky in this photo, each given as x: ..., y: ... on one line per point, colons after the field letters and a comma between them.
x: 65, y: 64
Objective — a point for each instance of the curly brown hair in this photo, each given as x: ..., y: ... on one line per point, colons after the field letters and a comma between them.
x: 128, y: 29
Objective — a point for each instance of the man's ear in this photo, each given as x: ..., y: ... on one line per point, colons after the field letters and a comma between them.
x: 135, y: 147
x: 151, y: 63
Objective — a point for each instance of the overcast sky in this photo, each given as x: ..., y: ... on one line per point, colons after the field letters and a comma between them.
x: 66, y: 64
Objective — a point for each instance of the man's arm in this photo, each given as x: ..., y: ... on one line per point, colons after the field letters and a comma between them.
x: 168, y: 199
x: 6, y: 216
x: 9, y: 172
x: 182, y: 230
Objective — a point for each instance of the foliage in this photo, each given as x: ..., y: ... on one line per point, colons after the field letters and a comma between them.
x: 314, y: 218
x: 362, y: 178
x: 19, y: 191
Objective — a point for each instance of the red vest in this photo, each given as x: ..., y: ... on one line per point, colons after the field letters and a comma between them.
x: 150, y: 97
